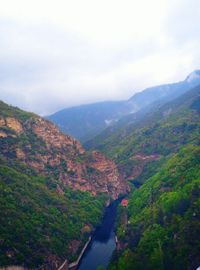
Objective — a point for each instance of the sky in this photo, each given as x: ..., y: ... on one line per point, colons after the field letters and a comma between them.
x: 57, y: 54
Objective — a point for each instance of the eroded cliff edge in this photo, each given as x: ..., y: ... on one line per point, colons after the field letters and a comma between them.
x: 39, y: 144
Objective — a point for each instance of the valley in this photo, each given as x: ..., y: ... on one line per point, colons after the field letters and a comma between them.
x: 52, y: 193
x: 100, y: 249
x: 55, y: 194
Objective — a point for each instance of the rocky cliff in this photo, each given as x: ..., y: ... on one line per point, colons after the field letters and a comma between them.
x: 39, y: 144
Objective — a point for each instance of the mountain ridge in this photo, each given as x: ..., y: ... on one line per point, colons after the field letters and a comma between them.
x: 159, y: 133
x: 73, y: 169
x: 86, y: 121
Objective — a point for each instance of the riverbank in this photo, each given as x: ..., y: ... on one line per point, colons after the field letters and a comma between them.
x: 74, y: 264
x: 97, y: 250
x: 103, y: 243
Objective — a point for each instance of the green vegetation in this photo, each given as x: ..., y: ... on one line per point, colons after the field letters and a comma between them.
x: 163, y: 132
x: 160, y: 229
x: 42, y: 220
x: 36, y: 222
x: 8, y: 111
x: 163, y: 230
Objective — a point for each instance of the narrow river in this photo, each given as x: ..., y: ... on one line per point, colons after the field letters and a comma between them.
x: 102, y: 245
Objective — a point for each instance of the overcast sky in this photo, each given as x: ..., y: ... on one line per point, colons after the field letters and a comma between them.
x: 59, y: 53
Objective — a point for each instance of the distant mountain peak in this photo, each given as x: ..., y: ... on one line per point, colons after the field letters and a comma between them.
x: 85, y: 122
x: 193, y: 77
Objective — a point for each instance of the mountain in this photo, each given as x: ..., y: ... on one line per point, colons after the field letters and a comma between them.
x: 160, y: 154
x: 41, y: 227
x: 86, y: 121
x: 162, y: 222
x: 141, y: 146
x: 52, y: 192
x: 167, y: 92
x: 40, y: 145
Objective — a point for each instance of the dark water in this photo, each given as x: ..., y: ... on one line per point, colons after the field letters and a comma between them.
x: 100, y: 249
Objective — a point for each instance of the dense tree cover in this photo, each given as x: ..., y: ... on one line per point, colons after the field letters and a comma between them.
x: 163, y: 228
x: 177, y: 118
x: 36, y: 222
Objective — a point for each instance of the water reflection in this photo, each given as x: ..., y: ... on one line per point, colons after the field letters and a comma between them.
x: 99, y: 251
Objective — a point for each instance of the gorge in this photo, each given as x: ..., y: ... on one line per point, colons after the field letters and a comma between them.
x: 53, y: 192
x: 103, y: 243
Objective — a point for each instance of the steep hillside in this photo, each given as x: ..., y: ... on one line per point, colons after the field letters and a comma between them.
x: 52, y: 192
x: 162, y: 230
x: 139, y: 148
x: 86, y: 121
x: 42, y: 227
x: 40, y: 145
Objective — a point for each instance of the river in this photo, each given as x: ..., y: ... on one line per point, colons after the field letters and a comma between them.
x: 102, y: 245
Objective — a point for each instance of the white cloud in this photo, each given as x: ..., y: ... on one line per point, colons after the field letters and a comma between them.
x: 61, y: 53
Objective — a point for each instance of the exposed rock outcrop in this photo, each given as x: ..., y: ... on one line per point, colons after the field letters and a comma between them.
x: 11, y: 123
x: 142, y: 160
x: 40, y: 144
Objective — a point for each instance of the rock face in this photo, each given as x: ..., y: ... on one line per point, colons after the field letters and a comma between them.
x: 14, y: 124
x: 112, y: 182
x: 40, y: 145
x: 142, y: 160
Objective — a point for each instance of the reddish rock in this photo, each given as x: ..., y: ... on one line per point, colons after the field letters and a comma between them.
x: 60, y: 190
x: 124, y: 202
x: 3, y: 134
x: 59, y: 156
x: 20, y: 154
x: 14, y: 124
x: 141, y: 159
x: 145, y: 157
x: 74, y: 246
x: 86, y: 229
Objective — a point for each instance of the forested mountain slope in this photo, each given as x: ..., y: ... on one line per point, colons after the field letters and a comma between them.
x: 160, y: 228
x: 40, y: 227
x: 138, y: 148
x: 52, y: 192
x: 39, y: 144
x: 163, y: 218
